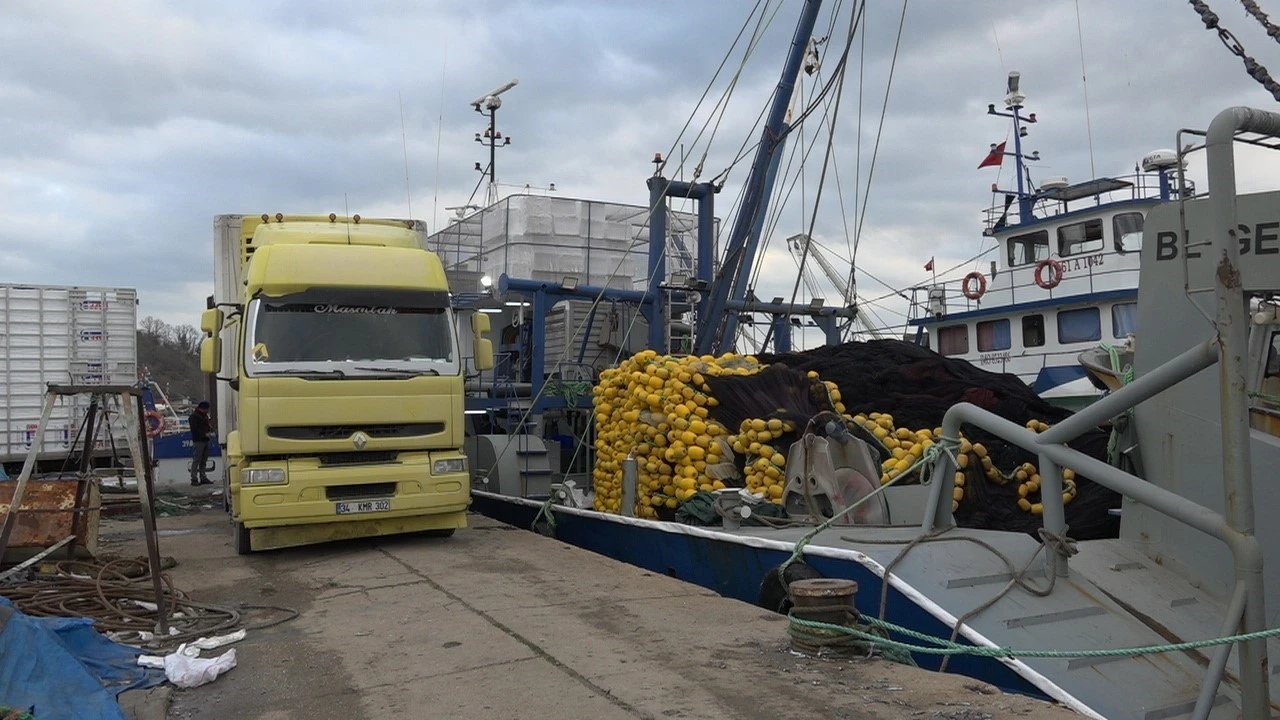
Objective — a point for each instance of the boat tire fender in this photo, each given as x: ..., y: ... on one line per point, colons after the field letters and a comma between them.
x: 1055, y: 275
x: 155, y: 423
x: 974, y: 285
x: 773, y: 593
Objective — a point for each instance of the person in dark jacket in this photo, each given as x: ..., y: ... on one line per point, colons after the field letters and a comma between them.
x: 201, y: 428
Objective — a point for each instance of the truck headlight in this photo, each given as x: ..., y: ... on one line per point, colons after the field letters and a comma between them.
x: 263, y: 476
x: 452, y: 465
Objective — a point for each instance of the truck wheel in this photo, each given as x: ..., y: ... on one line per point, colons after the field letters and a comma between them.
x: 447, y: 533
x: 240, y: 538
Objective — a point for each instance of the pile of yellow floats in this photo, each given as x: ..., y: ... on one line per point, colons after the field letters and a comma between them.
x: 660, y: 409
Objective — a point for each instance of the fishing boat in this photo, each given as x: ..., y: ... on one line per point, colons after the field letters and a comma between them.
x: 1059, y: 304
x: 1164, y: 618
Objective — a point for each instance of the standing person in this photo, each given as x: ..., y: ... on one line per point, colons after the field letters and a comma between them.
x: 201, y: 426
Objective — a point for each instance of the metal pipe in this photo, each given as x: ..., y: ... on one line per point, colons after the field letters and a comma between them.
x: 1055, y: 520
x: 706, y: 249
x: 1218, y: 664
x: 1232, y: 325
x: 789, y: 309
x: 630, y: 479
x: 657, y: 262
x: 1150, y: 384
x: 1161, y: 500
x: 524, y: 286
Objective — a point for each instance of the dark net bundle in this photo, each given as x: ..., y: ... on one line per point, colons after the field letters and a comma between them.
x: 917, y: 386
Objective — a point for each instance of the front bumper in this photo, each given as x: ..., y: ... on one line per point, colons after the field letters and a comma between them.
x: 312, y: 492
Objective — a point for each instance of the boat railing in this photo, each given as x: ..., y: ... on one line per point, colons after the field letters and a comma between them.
x: 1054, y: 455
x: 1084, y: 274
x: 1048, y: 203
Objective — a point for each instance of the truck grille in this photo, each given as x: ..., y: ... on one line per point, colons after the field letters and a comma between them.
x: 360, y: 492
x: 358, y: 458
x: 341, y: 432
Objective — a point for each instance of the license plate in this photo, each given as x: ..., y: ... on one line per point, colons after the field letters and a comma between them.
x: 367, y: 506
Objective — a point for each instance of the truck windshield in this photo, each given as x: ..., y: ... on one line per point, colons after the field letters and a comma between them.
x: 357, y: 338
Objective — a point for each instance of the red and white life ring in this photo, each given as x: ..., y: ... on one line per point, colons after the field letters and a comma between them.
x: 1055, y: 276
x: 974, y: 285
x: 155, y: 423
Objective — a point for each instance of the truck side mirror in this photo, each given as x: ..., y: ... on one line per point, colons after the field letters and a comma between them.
x: 480, y: 324
x: 211, y: 321
x: 211, y: 354
x: 484, y: 354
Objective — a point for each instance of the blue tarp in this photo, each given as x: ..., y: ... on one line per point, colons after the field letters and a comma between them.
x: 63, y: 669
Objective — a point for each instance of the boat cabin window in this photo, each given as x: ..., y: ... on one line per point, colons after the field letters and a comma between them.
x: 1079, y: 238
x: 953, y: 340
x: 1128, y: 231
x: 993, y: 335
x: 1082, y: 325
x: 1033, y: 331
x: 1029, y: 248
x: 1124, y: 319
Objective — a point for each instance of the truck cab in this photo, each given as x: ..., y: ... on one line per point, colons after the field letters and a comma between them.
x: 341, y: 376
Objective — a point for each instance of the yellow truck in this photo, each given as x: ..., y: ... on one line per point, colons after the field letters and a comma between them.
x: 340, y: 370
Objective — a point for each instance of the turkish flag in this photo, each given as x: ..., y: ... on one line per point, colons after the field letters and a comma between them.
x: 929, y: 265
x: 995, y: 157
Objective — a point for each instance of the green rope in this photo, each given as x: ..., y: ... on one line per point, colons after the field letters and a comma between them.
x: 801, y: 628
x: 1265, y: 396
x: 545, y: 512
x: 943, y: 445
x: 570, y: 391
x: 1126, y: 376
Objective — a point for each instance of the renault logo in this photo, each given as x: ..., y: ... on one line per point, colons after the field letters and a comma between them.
x: 359, y: 440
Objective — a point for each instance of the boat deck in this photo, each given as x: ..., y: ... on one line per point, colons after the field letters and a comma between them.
x: 1114, y: 597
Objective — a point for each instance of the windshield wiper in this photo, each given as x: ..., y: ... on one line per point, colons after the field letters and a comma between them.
x: 305, y: 374
x: 400, y: 372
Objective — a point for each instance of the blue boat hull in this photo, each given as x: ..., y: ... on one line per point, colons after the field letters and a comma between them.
x: 736, y: 570
x: 177, y: 445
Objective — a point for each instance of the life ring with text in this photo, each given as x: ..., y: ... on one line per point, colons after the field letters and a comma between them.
x: 974, y: 285
x: 1055, y: 276
x: 155, y: 423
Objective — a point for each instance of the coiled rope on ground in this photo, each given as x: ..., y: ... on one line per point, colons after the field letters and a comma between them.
x: 117, y: 596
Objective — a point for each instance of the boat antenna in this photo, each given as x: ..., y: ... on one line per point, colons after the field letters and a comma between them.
x: 404, y: 141
x: 435, y: 199
x: 1084, y: 81
x: 492, y: 138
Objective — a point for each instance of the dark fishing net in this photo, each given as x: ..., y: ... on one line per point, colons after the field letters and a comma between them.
x: 917, y: 386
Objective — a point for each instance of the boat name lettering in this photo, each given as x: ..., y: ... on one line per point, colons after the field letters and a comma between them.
x: 1261, y: 239
x: 993, y: 358
x: 354, y: 310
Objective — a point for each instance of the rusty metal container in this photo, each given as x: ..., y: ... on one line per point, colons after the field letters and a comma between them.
x: 50, y: 511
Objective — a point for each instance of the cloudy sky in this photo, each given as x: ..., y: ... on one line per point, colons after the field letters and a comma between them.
x: 126, y: 125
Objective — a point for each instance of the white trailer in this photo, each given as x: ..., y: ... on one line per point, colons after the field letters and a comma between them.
x: 64, y: 335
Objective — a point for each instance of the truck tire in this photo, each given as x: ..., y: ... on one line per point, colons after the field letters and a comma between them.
x: 240, y: 538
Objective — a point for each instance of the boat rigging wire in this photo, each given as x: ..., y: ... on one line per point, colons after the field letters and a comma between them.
x: 875, y: 150
x: 1084, y: 81
x: 854, y: 19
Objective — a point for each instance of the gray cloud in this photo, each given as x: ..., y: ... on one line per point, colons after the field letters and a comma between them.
x: 128, y: 126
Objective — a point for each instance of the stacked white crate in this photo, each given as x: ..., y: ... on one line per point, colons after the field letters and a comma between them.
x: 63, y: 335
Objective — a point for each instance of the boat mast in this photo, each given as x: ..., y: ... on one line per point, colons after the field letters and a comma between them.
x: 719, y: 327
x: 1013, y: 103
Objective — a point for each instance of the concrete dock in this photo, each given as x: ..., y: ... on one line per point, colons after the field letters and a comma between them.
x: 498, y: 622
